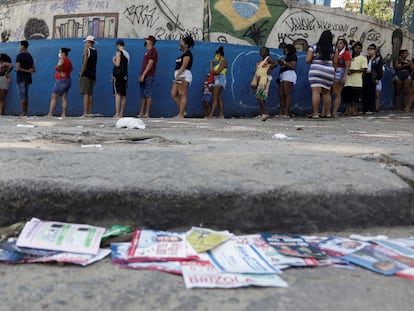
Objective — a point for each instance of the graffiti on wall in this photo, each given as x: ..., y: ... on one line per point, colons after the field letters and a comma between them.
x: 104, y: 25
x: 302, y: 28
x: 251, y: 21
x: 152, y: 17
x: 4, y: 30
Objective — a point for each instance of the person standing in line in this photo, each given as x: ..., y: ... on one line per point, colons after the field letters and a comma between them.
x: 263, y: 68
x: 218, y: 66
x: 120, y: 77
x: 288, y: 77
x: 353, y: 85
x: 342, y: 61
x: 182, y: 75
x: 5, y: 68
x: 402, y: 79
x: 25, y: 67
x: 63, y: 82
x: 321, y: 73
x: 87, y: 75
x: 146, y: 79
x: 371, y: 78
x: 208, y: 94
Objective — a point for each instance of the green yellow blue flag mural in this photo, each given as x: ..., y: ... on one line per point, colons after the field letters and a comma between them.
x: 250, y: 20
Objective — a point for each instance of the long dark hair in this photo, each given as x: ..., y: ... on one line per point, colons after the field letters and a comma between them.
x: 291, y: 49
x: 324, y: 45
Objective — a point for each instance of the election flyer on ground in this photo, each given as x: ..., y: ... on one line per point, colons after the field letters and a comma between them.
x: 205, y: 275
x: 59, y: 236
x: 202, y: 239
x: 238, y: 258
x: 155, y: 245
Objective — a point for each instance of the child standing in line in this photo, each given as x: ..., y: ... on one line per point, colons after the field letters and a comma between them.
x: 208, y: 94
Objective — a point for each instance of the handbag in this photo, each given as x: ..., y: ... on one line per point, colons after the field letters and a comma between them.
x: 253, y: 83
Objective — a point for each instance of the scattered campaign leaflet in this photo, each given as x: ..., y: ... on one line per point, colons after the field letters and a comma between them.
x: 202, y: 239
x: 380, y: 259
x: 7, y: 256
x: 402, y: 246
x: 338, y: 247
x: 277, y: 260
x: 59, y: 236
x: 72, y: 258
x: 206, y: 275
x: 154, y: 245
x: 292, y: 245
x: 11, y: 246
x: 173, y: 267
x: 238, y: 258
x: 119, y: 253
x: 406, y: 273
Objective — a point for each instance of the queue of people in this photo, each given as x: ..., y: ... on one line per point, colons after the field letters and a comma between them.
x: 336, y: 72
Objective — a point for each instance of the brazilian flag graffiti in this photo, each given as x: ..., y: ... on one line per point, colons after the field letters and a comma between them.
x: 250, y: 20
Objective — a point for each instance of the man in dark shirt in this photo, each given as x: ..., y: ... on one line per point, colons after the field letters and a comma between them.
x: 87, y: 76
x: 24, y: 67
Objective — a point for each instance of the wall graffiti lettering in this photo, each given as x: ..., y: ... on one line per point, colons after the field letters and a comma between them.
x: 104, y: 25
x: 96, y: 4
x: 164, y: 34
x: 151, y: 16
x: 301, y: 24
x: 141, y: 14
x: 373, y: 35
x: 327, y: 25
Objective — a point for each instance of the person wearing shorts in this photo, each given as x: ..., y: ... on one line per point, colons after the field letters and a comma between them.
x: 288, y: 77
x: 63, y: 82
x: 182, y: 75
x: 25, y: 67
x: 218, y: 66
x: 402, y: 79
x: 147, y: 76
x: 87, y: 75
x: 353, y: 85
x: 342, y: 62
x: 120, y: 77
x: 5, y: 69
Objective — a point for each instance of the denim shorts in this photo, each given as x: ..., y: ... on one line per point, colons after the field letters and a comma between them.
x: 220, y: 80
x: 146, y: 87
x: 23, y: 89
x: 62, y: 86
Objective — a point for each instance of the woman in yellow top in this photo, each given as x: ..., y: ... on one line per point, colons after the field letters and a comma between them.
x: 218, y: 66
x: 263, y: 68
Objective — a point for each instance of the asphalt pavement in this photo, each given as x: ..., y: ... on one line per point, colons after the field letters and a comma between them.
x: 343, y: 175
x: 296, y: 175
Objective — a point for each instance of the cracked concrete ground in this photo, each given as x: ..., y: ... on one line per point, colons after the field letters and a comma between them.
x: 231, y: 174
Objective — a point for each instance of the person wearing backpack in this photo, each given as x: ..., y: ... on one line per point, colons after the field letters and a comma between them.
x: 120, y: 77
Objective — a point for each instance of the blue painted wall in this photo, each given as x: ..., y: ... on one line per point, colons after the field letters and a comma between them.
x: 238, y: 98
